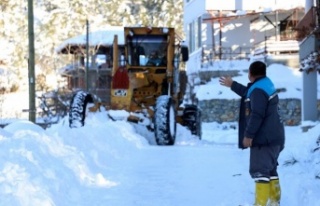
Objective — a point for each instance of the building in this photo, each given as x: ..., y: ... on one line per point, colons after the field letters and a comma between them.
x: 276, y: 31
x: 99, y: 64
x: 235, y: 29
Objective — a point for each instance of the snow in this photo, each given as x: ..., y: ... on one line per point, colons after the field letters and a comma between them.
x: 101, y: 37
x: 110, y: 162
x: 282, y: 76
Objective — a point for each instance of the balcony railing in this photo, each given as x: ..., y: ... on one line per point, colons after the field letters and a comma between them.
x: 212, y: 53
x: 217, y: 52
x: 271, y: 47
x: 268, y: 47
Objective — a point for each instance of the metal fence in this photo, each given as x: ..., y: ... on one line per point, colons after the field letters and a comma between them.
x: 211, y: 54
x: 268, y: 47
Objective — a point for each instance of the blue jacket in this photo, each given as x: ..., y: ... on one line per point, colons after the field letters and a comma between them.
x: 259, y: 116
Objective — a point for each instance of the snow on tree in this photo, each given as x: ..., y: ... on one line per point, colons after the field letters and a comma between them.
x: 58, y: 20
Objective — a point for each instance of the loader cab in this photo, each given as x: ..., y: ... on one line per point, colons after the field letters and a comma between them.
x: 147, y: 50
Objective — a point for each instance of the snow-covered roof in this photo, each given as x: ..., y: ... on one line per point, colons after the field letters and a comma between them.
x: 103, y: 37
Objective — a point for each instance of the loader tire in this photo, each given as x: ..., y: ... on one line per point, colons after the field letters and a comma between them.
x: 78, y: 106
x: 192, y: 120
x: 165, y: 121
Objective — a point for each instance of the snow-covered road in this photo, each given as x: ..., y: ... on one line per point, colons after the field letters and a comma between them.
x: 182, y: 175
x: 115, y: 163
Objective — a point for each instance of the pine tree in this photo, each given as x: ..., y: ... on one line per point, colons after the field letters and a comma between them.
x: 58, y: 20
x: 152, y: 10
x: 13, y: 21
x: 173, y: 15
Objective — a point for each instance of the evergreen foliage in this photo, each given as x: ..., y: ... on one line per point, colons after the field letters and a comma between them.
x: 58, y: 20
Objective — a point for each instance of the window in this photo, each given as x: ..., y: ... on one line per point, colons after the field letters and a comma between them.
x: 199, y: 32
x: 191, y: 37
x: 144, y: 48
x: 194, y: 34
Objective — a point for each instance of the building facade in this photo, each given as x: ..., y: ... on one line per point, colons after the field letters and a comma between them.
x: 235, y: 29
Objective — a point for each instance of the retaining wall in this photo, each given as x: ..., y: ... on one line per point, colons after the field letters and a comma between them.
x: 225, y: 110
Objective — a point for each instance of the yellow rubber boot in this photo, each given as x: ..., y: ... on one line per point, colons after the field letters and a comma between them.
x: 275, y: 192
x: 262, y: 193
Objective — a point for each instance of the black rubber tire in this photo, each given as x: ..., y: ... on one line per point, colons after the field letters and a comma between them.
x: 78, y: 106
x: 199, y: 125
x: 165, y: 125
x: 192, y: 120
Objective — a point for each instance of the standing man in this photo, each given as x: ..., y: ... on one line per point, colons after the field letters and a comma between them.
x: 261, y: 129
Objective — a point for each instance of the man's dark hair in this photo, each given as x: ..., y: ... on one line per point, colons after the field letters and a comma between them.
x: 258, y: 68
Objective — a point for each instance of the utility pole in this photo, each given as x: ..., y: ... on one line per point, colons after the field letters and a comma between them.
x: 87, y: 55
x: 277, y: 22
x: 31, y: 63
x: 220, y: 36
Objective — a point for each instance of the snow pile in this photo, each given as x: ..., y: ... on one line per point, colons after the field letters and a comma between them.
x: 40, y: 167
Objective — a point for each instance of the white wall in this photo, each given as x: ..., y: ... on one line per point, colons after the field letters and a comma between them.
x: 231, y: 31
x: 252, y: 4
x: 220, y: 5
x: 251, y: 33
x: 192, y: 10
x: 271, y: 4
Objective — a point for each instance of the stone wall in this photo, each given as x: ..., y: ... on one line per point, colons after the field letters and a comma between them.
x: 206, y: 76
x: 225, y: 110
